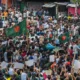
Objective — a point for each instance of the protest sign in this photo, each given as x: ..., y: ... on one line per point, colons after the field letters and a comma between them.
x: 18, y: 65
x: 4, y: 42
x: 51, y: 58
x: 48, y: 72
x: 29, y: 63
x: 4, y: 65
x: 76, y: 65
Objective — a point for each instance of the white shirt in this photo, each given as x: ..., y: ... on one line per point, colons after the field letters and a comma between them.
x: 74, y: 31
x: 20, y: 14
x: 57, y: 60
x: 34, y: 13
x: 59, y: 32
x: 5, y: 23
x: 12, y: 13
x: 4, y: 42
x: 0, y: 8
x: 19, y: 19
x: 70, y: 46
x: 17, y: 15
x: 35, y: 57
x: 23, y: 76
x: 28, y: 13
x: 24, y: 15
x: 37, y: 24
x: 30, y: 37
x: 55, y: 21
x: 5, y: 56
x: 75, y: 49
x: 45, y: 25
x: 62, y: 27
x: 11, y: 71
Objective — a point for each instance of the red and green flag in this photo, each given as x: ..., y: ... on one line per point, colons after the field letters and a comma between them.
x: 64, y: 37
x: 17, y: 30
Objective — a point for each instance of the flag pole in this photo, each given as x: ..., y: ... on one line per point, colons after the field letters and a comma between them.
x: 27, y: 39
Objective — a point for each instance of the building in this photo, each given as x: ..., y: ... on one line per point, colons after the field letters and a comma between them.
x: 56, y: 8
x: 73, y: 9
x: 35, y: 5
x: 8, y: 3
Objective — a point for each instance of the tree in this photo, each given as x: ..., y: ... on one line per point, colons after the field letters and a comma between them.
x: 79, y: 2
x: 76, y: 1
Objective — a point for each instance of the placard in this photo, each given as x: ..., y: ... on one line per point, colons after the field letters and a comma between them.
x: 51, y: 58
x: 29, y: 63
x: 18, y: 65
x: 76, y: 65
x: 4, y: 65
x: 48, y: 72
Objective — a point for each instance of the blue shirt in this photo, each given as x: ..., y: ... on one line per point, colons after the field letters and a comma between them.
x: 57, y: 41
x: 31, y: 57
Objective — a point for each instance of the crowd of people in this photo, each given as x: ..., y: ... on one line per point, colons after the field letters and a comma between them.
x: 11, y: 16
x: 51, y: 58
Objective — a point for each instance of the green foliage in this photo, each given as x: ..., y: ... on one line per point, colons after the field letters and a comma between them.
x: 75, y: 1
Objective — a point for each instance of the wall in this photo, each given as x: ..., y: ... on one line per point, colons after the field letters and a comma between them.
x: 34, y: 5
x: 3, y: 1
x: 7, y: 2
x: 78, y: 10
x: 71, y: 10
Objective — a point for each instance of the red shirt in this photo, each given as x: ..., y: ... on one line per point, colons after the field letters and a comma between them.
x: 71, y: 52
x: 23, y: 54
x: 28, y: 27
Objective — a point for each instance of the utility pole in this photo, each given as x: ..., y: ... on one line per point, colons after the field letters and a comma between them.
x: 76, y: 7
x: 56, y: 10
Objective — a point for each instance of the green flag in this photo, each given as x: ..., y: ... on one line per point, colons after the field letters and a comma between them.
x: 17, y: 30
x: 64, y: 37
x: 22, y: 5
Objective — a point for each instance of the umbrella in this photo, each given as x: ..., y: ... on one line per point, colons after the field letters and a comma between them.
x: 57, y: 49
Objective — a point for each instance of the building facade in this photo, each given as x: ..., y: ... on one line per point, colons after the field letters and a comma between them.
x: 8, y: 3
